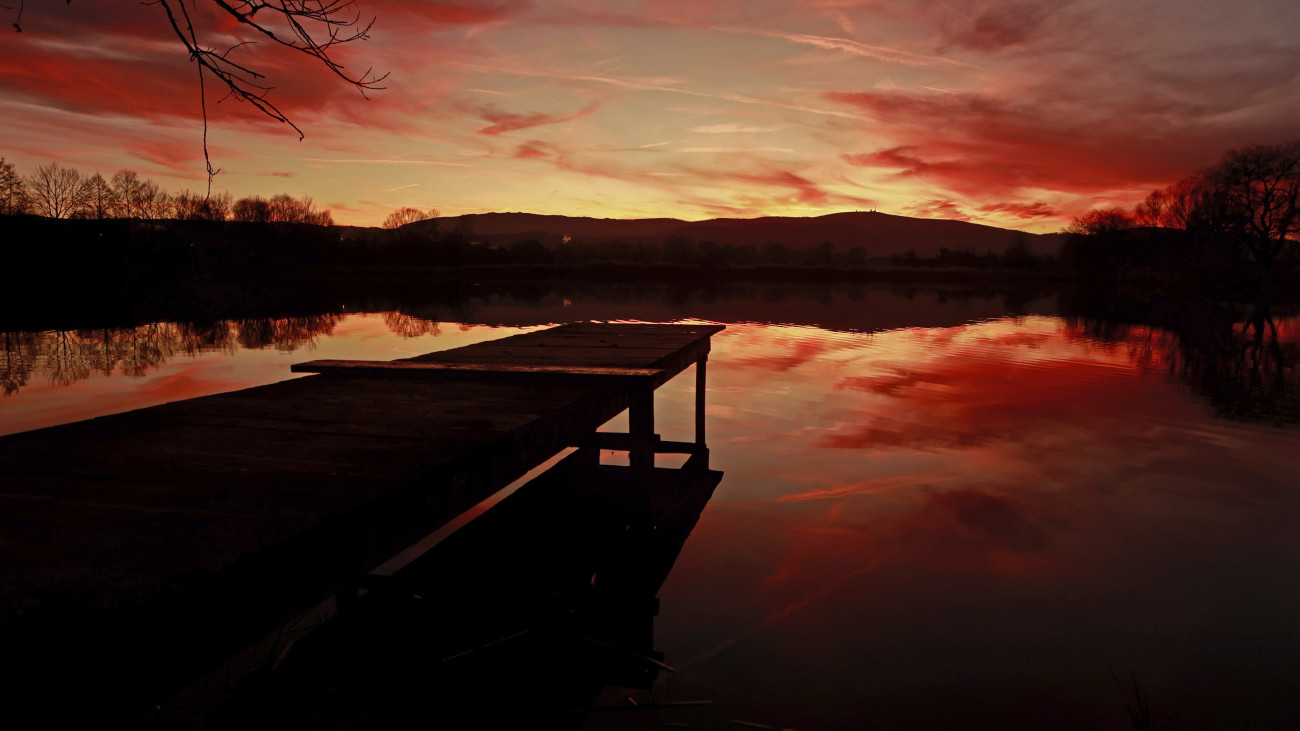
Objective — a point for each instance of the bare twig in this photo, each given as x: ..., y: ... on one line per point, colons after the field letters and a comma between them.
x: 310, y: 27
x: 315, y: 27
x: 18, y: 20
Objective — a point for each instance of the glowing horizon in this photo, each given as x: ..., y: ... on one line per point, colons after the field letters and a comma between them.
x: 1020, y: 115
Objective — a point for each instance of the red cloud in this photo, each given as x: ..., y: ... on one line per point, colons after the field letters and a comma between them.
x: 967, y: 170
x: 938, y: 209
x: 181, y: 157
x: 974, y: 145
x: 999, y: 27
x: 1022, y: 210
x: 503, y: 122
x: 143, y: 87
x: 751, y: 183
x: 773, y: 361
x: 959, y: 404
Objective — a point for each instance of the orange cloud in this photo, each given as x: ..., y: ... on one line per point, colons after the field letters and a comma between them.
x: 533, y: 150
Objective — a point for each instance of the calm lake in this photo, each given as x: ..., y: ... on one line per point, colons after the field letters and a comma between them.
x: 939, y: 509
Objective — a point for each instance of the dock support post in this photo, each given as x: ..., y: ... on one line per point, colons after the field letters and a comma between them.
x: 641, y: 428
x: 701, y: 376
x: 699, y: 458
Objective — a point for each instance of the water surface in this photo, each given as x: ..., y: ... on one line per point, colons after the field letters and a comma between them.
x: 937, y: 511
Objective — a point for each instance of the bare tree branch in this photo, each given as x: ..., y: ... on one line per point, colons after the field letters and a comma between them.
x: 315, y: 27
x: 338, y: 20
x: 311, y: 27
x: 18, y: 20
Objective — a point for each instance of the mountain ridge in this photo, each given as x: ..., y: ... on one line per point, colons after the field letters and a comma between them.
x: 880, y: 234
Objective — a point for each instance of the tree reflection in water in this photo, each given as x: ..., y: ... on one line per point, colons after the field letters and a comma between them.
x: 18, y: 360
x: 63, y: 357
x: 410, y: 326
x: 1244, y: 368
x: 1244, y: 362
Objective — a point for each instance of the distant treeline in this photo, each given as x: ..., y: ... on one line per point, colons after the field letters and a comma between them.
x: 55, y: 191
x: 143, y: 250
x: 424, y: 244
x: 1016, y: 256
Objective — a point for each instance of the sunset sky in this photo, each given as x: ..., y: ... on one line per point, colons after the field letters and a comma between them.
x: 1016, y: 114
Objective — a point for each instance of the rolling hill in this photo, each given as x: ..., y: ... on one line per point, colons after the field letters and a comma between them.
x: 881, y: 234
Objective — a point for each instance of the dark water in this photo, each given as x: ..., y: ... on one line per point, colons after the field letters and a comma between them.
x: 938, y: 509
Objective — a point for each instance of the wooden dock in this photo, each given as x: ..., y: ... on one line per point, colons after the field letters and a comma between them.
x: 140, y: 550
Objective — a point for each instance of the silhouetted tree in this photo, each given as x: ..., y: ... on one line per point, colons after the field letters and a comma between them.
x: 128, y: 191
x: 1018, y: 255
x: 13, y: 192
x: 98, y: 199
x: 1254, y: 199
x: 1101, y: 221
x: 711, y: 254
x: 252, y: 209
x: 1171, y: 207
x: 189, y: 206
x: 823, y: 255
x: 1247, y: 206
x: 530, y: 251
x: 775, y: 253
x: 284, y: 208
x: 856, y: 256
x: 54, y: 190
x: 907, y: 258
x: 1098, y: 245
x: 678, y: 249
x: 407, y: 214
x: 152, y: 201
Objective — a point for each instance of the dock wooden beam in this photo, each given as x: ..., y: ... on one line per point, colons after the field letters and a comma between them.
x: 548, y: 374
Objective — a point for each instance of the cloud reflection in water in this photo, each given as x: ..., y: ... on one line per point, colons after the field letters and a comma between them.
x: 968, y: 526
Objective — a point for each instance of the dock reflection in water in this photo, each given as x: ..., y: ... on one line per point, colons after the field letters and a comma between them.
x: 524, y: 615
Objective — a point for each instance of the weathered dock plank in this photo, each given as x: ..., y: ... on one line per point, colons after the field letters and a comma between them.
x: 479, y: 371
x: 138, y: 550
